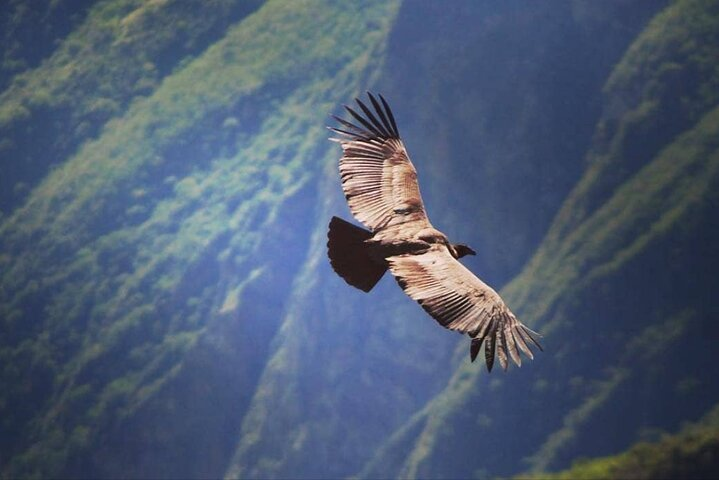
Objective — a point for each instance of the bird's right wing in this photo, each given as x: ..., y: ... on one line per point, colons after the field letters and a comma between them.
x: 378, y: 178
x: 460, y: 301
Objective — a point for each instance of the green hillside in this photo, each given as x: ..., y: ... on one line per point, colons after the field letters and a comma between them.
x: 120, y: 52
x: 692, y: 453
x: 166, y: 306
x: 616, y: 288
x: 127, y: 265
x: 21, y: 23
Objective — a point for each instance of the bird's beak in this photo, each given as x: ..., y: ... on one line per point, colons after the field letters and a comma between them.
x: 462, y: 250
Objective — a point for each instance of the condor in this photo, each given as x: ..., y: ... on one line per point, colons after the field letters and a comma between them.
x: 380, y: 184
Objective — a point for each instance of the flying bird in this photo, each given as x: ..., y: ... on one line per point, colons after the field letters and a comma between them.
x: 380, y: 184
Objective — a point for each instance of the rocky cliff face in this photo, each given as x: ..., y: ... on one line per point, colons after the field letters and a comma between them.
x: 167, y: 308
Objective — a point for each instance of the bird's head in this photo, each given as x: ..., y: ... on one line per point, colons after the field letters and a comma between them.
x: 459, y: 250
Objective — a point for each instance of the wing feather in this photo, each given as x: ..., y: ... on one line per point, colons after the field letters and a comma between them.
x: 460, y: 301
x: 489, y: 345
x: 378, y: 178
x: 502, y: 344
x: 395, y: 132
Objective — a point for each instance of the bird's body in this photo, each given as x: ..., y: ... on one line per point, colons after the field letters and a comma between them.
x: 380, y: 184
x: 412, y: 239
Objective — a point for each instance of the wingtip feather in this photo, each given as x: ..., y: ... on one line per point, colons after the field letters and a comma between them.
x: 474, y: 347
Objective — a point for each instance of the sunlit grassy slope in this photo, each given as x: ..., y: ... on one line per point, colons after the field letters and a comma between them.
x: 692, y: 453
x: 133, y: 262
x: 619, y: 286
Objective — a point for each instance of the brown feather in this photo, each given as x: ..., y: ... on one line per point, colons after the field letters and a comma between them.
x: 378, y: 178
x: 460, y: 301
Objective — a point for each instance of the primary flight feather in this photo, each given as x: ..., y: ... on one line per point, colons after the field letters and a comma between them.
x: 380, y: 184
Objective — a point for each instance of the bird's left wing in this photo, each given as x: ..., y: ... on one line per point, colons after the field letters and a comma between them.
x: 378, y: 178
x: 460, y: 301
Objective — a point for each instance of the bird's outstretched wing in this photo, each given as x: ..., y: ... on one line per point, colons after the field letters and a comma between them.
x: 460, y: 301
x: 378, y: 178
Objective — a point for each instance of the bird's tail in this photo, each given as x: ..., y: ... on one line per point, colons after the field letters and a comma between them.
x: 350, y: 255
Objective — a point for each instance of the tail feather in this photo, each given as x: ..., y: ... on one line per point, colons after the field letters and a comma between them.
x: 350, y: 256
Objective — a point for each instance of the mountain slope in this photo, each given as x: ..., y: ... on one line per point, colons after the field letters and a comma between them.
x: 499, y: 102
x: 349, y: 367
x: 691, y: 453
x: 616, y: 294
x: 121, y: 52
x: 166, y: 305
x: 127, y: 272
x: 31, y: 32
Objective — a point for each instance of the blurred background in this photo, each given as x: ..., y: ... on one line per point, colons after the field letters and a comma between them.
x: 166, y: 306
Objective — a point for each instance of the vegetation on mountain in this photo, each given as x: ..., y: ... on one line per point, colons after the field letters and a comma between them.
x: 623, y: 286
x: 121, y: 52
x: 166, y: 305
x: 691, y: 453
x: 30, y: 32
x: 127, y: 261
